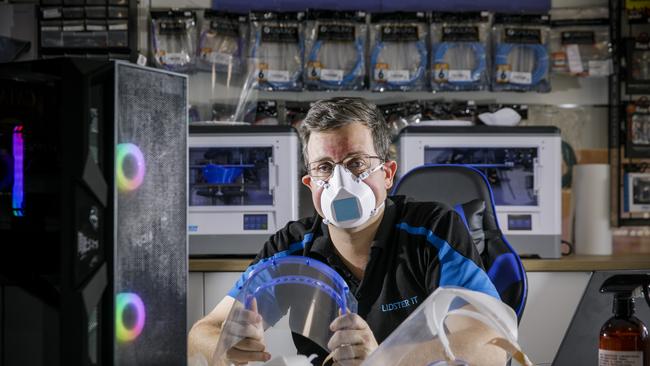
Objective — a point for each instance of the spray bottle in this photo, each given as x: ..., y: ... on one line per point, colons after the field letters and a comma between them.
x: 624, y: 338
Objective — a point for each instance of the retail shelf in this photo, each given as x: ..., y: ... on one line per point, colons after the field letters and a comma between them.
x: 570, y: 91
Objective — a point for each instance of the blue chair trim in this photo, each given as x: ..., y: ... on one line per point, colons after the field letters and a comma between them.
x: 455, y: 269
x: 522, y: 271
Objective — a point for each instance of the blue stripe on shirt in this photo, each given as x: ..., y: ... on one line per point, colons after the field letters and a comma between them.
x: 455, y: 269
x: 234, y: 291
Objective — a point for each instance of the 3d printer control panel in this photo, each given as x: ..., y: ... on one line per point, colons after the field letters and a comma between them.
x: 256, y: 222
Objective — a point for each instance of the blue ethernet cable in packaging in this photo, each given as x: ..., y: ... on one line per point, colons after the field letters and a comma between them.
x: 277, y: 49
x: 398, y: 51
x: 173, y: 39
x: 335, y: 50
x: 459, y: 51
x: 222, y: 42
x: 521, y: 57
x: 580, y: 42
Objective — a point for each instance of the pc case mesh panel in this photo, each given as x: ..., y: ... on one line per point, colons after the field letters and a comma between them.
x: 151, y: 242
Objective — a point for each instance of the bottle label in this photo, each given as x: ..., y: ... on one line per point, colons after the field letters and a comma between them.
x: 617, y: 358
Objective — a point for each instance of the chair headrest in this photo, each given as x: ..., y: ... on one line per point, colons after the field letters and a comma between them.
x: 473, y: 212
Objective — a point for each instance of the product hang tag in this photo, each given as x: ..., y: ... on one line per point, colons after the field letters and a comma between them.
x: 331, y: 75
x: 175, y: 58
x: 460, y: 75
x: 523, y: 78
x: 397, y: 75
x: 575, y: 61
x: 600, y: 67
x: 278, y: 76
x: 142, y: 60
x: 441, y: 73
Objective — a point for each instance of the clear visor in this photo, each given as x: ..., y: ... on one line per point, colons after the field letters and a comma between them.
x: 424, y: 339
x: 292, y: 294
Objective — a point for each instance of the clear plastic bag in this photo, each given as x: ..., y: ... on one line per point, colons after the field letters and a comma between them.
x: 580, y: 41
x: 398, y: 51
x: 423, y: 339
x: 400, y: 115
x: 521, y: 59
x: 277, y: 50
x: 459, y: 51
x: 173, y: 39
x: 336, y: 49
x: 222, y: 42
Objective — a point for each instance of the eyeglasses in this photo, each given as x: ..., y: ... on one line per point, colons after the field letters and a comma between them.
x: 356, y: 164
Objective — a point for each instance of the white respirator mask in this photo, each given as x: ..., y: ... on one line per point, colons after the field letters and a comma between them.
x: 347, y: 201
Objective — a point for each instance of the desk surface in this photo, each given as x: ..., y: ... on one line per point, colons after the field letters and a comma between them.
x: 572, y: 263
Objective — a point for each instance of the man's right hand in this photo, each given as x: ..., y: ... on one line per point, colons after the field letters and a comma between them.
x: 249, y: 328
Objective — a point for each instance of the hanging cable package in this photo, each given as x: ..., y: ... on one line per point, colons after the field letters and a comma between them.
x: 277, y: 49
x: 295, y: 113
x: 580, y: 42
x: 173, y: 39
x: 335, y: 44
x: 637, y: 78
x: 638, y: 129
x: 459, y: 44
x: 222, y: 41
x: 448, y: 113
x: 398, y: 51
x: 521, y: 61
x: 265, y: 112
x: 400, y: 115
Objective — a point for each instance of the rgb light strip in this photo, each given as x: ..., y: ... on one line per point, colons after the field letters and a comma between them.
x: 125, y: 183
x: 123, y: 300
x: 18, y: 191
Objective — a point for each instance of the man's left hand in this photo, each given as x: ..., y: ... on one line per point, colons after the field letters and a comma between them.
x: 352, y: 341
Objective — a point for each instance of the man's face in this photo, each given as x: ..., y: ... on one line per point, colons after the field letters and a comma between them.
x: 340, y: 143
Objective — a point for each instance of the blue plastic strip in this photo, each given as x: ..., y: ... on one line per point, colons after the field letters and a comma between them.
x: 522, y: 271
x: 455, y: 269
x: 626, y: 193
x: 234, y: 291
x: 238, y: 6
x: 461, y: 212
x: 502, y: 273
x: 307, y: 281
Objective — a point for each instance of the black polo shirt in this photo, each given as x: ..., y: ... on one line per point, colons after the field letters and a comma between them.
x: 418, y: 247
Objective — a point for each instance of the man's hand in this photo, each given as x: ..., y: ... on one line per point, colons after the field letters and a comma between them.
x: 352, y: 341
x: 249, y: 328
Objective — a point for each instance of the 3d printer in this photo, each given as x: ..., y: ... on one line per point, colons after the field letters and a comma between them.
x: 522, y: 165
x: 243, y: 186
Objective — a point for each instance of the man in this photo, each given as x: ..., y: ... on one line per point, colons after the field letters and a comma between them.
x: 387, y: 249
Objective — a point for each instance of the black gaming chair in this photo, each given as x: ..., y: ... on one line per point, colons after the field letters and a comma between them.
x: 468, y: 192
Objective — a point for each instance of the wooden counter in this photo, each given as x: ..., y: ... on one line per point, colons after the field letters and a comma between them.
x: 572, y: 263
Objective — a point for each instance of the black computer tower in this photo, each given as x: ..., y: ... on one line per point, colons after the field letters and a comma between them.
x: 93, y: 245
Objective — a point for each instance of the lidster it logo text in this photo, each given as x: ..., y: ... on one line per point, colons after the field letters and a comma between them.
x: 400, y: 304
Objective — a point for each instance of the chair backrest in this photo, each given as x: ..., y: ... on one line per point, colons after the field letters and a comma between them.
x: 460, y: 187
